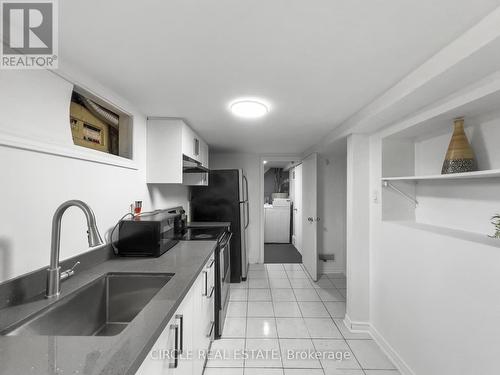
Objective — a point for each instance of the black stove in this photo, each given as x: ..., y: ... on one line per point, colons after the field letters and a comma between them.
x: 223, y: 236
x: 200, y: 234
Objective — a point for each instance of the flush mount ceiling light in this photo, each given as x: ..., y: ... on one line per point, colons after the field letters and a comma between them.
x: 249, y: 108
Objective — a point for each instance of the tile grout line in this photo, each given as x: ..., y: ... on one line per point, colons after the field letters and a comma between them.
x: 308, y: 332
x: 345, y: 340
x: 314, y: 346
x: 246, y: 327
x: 276, y: 324
x: 356, y: 358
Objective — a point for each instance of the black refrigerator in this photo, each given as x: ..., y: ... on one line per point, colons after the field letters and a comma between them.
x: 226, y: 199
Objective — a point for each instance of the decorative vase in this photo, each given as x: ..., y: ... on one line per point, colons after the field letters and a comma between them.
x: 460, y: 157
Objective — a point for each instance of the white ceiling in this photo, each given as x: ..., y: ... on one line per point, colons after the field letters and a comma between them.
x: 317, y: 62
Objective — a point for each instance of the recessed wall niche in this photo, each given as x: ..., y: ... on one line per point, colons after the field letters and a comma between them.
x: 98, y: 125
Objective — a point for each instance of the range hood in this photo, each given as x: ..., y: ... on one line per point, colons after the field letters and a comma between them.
x: 189, y: 165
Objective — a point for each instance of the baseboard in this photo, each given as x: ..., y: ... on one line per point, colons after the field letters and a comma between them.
x: 367, y: 327
x: 330, y: 267
x: 356, y: 326
x: 398, y: 361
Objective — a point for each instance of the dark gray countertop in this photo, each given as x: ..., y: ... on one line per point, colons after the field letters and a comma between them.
x: 112, y: 355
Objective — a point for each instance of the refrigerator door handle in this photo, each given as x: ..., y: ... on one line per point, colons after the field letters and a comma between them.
x: 245, y: 195
x: 247, y: 211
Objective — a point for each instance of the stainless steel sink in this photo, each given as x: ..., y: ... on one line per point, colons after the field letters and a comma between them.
x: 104, y: 307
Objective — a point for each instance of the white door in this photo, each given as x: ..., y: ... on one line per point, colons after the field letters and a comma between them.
x: 310, y: 215
x: 297, y: 208
x: 245, y: 222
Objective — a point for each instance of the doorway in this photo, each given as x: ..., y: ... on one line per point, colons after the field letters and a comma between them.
x: 282, y: 197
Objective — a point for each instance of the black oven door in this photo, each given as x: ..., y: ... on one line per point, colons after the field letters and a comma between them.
x: 224, y: 281
x: 224, y: 254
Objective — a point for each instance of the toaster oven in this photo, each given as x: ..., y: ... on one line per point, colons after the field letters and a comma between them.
x: 149, y: 235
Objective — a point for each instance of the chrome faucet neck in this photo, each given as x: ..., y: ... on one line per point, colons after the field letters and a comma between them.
x: 94, y: 238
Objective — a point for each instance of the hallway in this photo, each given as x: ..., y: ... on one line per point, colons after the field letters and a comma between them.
x: 280, y: 311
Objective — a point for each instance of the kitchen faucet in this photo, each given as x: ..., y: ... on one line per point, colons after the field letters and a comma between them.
x: 54, y: 274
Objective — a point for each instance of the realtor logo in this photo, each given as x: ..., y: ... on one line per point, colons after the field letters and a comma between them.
x: 29, y: 34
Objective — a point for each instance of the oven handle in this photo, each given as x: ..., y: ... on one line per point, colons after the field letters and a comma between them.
x: 211, y: 292
x: 212, y: 325
x: 205, y: 292
x: 226, y: 239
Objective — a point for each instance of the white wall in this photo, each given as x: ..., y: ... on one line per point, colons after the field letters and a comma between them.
x: 332, y: 169
x: 357, y: 230
x: 35, y: 105
x: 434, y: 300
x: 250, y: 163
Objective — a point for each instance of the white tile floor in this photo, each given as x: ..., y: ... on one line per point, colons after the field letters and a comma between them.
x: 281, y: 310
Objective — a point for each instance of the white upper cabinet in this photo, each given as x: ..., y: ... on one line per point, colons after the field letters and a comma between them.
x: 190, y: 143
x: 204, y: 154
x: 168, y: 142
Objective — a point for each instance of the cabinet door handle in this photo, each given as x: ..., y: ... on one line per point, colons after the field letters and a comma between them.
x: 175, y: 328
x: 211, y: 263
x: 212, y: 325
x: 205, y: 292
x: 180, y: 317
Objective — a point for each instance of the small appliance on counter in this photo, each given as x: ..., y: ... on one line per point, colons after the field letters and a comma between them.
x: 150, y: 235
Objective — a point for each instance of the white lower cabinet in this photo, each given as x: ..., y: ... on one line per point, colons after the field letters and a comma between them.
x: 188, y: 333
x: 159, y: 360
x: 185, y: 319
x: 204, y: 314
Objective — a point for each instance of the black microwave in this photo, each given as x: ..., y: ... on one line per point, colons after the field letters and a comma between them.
x: 149, y: 235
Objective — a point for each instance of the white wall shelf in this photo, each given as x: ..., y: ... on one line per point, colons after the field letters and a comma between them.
x: 492, y: 173
x: 413, y: 152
